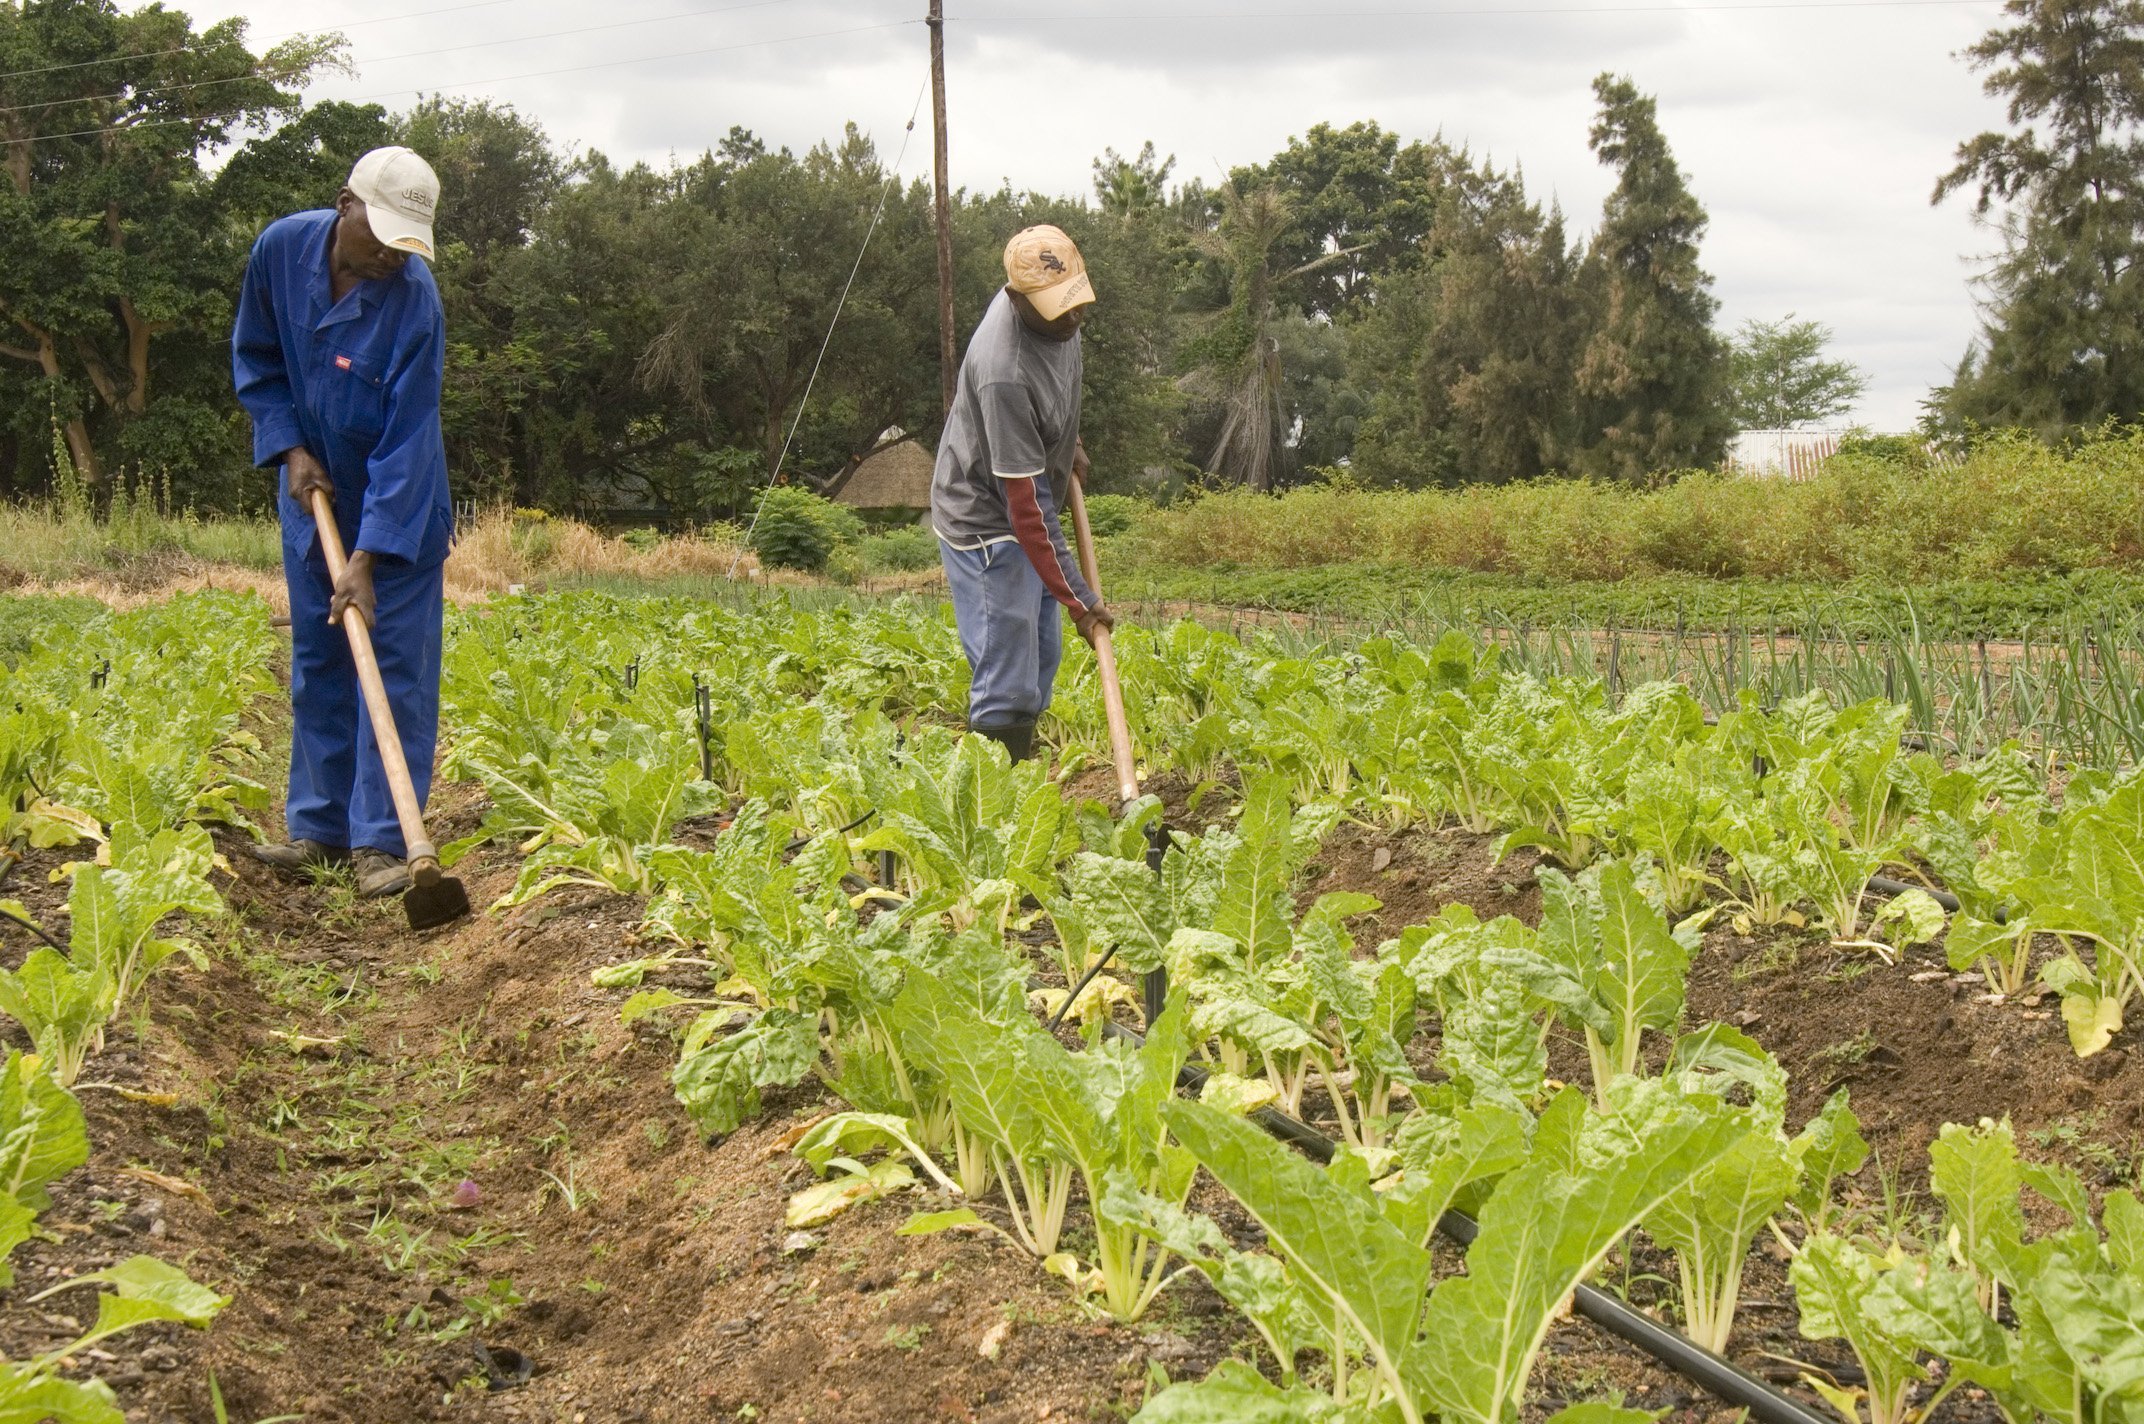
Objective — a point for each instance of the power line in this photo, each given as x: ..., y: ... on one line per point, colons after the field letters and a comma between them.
x: 264, y: 39
x: 892, y: 175
x: 139, y: 95
x: 494, y: 79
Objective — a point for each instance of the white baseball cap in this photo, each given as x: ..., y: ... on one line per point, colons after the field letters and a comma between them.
x: 400, y: 193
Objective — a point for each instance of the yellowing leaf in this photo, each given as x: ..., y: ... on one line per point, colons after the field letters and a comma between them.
x: 2092, y: 1022
x: 1238, y: 1095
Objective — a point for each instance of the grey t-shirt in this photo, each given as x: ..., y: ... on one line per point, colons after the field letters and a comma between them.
x: 1015, y: 415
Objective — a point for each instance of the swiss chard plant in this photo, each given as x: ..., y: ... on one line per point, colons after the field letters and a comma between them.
x: 1710, y: 1224
x: 1465, y: 1349
x: 1630, y: 964
x: 117, y: 920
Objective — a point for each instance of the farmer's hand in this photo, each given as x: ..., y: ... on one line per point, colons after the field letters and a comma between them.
x: 1079, y: 461
x: 303, y: 473
x: 1093, y: 621
x: 354, y: 589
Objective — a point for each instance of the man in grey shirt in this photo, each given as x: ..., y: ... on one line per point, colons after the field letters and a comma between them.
x: 1011, y: 445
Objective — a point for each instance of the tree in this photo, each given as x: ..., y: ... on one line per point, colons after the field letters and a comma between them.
x: 1132, y: 187
x: 117, y: 264
x: 1472, y: 357
x: 1780, y: 379
x: 1241, y: 375
x: 1357, y: 194
x: 1652, y: 375
x: 2062, y: 345
x: 763, y: 250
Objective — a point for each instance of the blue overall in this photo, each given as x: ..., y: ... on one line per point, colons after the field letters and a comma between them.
x: 357, y: 383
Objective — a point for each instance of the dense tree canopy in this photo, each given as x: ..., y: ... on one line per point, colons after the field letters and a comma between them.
x: 1651, y: 371
x: 642, y: 337
x: 2063, y: 343
x: 116, y: 249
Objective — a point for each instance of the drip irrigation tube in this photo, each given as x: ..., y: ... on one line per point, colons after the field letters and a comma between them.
x: 1721, y: 1378
x: 1885, y: 885
x: 33, y: 928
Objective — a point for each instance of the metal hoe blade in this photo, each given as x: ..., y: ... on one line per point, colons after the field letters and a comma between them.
x: 442, y: 902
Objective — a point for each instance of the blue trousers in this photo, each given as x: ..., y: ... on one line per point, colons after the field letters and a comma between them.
x: 338, y: 789
x: 1010, y: 628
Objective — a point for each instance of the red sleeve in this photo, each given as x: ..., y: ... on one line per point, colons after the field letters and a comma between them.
x: 1031, y: 526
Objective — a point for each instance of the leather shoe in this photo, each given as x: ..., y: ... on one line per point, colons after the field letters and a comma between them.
x: 379, y: 874
x: 300, y: 856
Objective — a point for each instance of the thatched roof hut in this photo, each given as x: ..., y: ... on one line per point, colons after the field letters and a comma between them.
x: 895, y: 475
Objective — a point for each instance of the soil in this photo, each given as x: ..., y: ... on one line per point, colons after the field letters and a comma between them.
x: 335, y: 1080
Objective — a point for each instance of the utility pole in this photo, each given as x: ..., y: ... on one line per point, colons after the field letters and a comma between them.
x: 947, y: 368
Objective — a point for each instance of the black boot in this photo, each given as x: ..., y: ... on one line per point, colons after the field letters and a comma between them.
x: 1018, y: 738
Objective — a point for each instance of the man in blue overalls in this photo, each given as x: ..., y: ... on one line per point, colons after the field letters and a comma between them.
x: 337, y: 353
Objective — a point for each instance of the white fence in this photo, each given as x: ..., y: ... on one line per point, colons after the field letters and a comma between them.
x: 1788, y: 454
x: 1798, y: 454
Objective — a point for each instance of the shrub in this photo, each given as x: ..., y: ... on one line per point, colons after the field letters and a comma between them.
x: 1109, y: 514
x: 1875, y: 510
x: 799, y: 530
x: 900, y: 551
x: 1908, y: 450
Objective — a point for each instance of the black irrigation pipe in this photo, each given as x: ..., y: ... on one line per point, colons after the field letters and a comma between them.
x: 1721, y: 1378
x: 33, y: 927
x: 1885, y: 885
x: 1072, y: 994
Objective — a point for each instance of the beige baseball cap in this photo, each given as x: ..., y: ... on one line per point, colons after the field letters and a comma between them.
x: 400, y: 193
x: 1042, y: 264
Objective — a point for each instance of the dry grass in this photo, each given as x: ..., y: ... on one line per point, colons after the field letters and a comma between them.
x: 497, y: 551
x: 494, y: 553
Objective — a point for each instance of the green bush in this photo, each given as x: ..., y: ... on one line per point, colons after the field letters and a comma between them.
x: 900, y: 551
x: 641, y: 538
x: 2014, y: 507
x: 1109, y: 514
x: 799, y: 530
x: 1908, y: 450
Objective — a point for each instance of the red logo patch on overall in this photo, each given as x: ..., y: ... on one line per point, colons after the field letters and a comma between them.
x: 343, y: 362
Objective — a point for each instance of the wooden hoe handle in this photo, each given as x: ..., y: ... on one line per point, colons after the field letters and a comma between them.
x: 1105, y: 659
x: 423, y: 859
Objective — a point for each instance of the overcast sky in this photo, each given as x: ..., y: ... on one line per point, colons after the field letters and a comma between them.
x: 1812, y: 132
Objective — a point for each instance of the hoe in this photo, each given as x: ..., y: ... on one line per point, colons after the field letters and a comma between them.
x: 433, y: 898
x: 1154, y: 986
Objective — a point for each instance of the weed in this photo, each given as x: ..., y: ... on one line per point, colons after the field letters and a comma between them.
x: 1848, y: 1053
x: 2079, y: 1134
x: 906, y: 1337
x: 569, y: 1190
x: 215, y: 1400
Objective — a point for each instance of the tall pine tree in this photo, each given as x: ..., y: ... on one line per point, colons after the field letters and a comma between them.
x: 2063, y: 341
x: 1471, y: 357
x: 1652, y: 376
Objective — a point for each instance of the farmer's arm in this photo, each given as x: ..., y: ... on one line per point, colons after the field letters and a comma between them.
x: 257, y: 368
x: 407, y: 464
x: 1017, y: 459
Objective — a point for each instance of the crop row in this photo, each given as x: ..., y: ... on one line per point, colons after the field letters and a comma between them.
x: 598, y: 725
x: 121, y: 735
